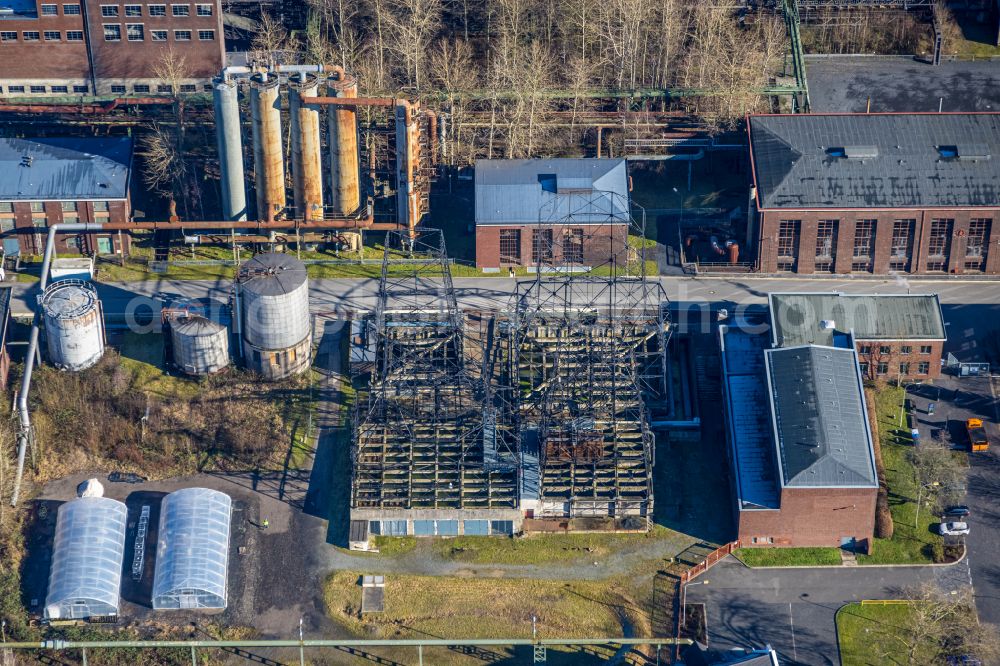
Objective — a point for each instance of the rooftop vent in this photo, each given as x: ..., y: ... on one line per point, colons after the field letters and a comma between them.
x: 548, y: 182
x: 973, y: 151
x: 861, y: 152
x: 828, y: 324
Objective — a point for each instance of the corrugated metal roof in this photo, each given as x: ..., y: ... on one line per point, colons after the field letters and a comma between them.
x: 68, y: 169
x: 510, y: 192
x: 797, y: 318
x: 819, y: 418
x: 796, y: 165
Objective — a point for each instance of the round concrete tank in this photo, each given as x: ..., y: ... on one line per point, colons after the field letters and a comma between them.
x: 74, y: 324
x: 274, y: 315
x: 201, y: 346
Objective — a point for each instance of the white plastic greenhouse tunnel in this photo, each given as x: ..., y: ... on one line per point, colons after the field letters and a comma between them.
x: 87, y: 555
x: 192, y: 552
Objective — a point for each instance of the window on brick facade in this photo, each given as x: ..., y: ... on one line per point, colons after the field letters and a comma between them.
x: 71, y: 10
x: 68, y: 206
x: 118, y: 89
x: 52, y: 36
x: 7, y: 225
x: 6, y: 206
x: 510, y: 246
x: 50, y: 10
x: 904, y: 368
x: 882, y: 369
x: 36, y: 207
x: 826, y: 238
x: 788, y: 244
x: 39, y: 222
x: 180, y: 10
x: 906, y: 349
x: 939, y: 244
x: 572, y: 242
x: 541, y: 245
x: 925, y: 349
x: 866, y: 349
x: 158, y: 35
x: 74, y: 35
x: 182, y: 35
x: 157, y: 10
x: 863, y: 366
x: 204, y: 10
x: 140, y: 88
x: 188, y: 88
x: 15, y: 89
x: 31, y: 35
x: 112, y: 33
x: 977, y: 247
x: 8, y: 36
x: 100, y: 206
x: 884, y: 349
x: 60, y: 89
x: 206, y: 35
x: 109, y: 11
x: 901, y: 244
x: 164, y: 89
x: 81, y: 89
x: 135, y: 32
x: 133, y: 10
x: 864, y: 244
x: 923, y: 368
x: 38, y: 90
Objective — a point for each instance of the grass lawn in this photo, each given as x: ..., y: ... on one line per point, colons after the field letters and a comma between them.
x: 865, y: 634
x: 142, y: 354
x: 909, y: 544
x: 788, y: 557
x: 479, y: 607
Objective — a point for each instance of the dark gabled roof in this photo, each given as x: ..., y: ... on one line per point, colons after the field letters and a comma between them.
x: 797, y: 318
x: 815, y: 161
x: 819, y: 418
x: 65, y: 169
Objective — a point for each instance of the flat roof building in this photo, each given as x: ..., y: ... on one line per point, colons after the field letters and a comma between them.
x: 895, y: 335
x: 53, y: 180
x: 533, y: 211
x: 876, y: 193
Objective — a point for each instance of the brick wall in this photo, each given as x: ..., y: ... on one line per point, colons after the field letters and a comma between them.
x: 30, y: 226
x: 813, y: 517
x: 893, y: 353
x: 767, y: 240
x: 43, y: 59
x: 599, y: 243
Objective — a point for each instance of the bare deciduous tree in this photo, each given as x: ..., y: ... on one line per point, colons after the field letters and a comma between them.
x: 269, y: 40
x: 413, y: 24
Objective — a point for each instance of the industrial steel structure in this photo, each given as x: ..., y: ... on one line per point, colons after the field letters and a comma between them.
x: 74, y: 324
x: 200, y: 346
x: 474, y: 422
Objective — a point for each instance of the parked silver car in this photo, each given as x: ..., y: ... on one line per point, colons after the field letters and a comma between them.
x: 953, y: 529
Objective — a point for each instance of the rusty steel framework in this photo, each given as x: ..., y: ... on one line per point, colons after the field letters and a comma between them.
x: 540, y: 406
x: 421, y: 435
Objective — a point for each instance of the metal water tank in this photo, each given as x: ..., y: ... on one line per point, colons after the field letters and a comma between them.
x: 273, y: 294
x: 74, y: 324
x: 200, y: 345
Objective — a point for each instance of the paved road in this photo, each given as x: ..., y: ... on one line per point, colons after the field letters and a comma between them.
x: 975, y: 397
x: 793, y: 609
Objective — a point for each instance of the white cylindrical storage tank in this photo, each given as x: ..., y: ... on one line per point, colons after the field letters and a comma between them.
x: 274, y: 314
x: 200, y: 345
x: 74, y: 324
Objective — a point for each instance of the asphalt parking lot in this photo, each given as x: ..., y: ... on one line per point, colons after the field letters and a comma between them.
x: 956, y: 400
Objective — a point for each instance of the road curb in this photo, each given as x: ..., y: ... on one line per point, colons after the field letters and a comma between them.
x: 965, y: 551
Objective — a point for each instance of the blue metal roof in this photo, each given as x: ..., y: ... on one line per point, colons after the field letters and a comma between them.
x: 65, y: 169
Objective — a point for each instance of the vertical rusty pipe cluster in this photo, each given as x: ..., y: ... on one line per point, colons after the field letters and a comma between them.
x: 407, y: 158
x: 269, y: 163
x: 342, y: 124
x: 307, y: 167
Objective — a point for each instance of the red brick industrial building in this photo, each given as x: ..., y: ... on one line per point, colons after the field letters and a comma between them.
x: 551, y: 213
x: 800, y: 444
x: 47, y: 181
x: 103, y: 47
x: 876, y: 193
x: 896, y: 335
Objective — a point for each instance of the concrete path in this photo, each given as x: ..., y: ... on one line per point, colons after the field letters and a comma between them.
x: 793, y: 609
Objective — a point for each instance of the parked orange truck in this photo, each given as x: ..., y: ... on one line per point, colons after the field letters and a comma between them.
x: 978, y: 441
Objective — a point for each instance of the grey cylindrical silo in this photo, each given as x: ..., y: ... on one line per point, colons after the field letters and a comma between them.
x: 229, y: 137
x: 274, y: 312
x: 74, y: 324
x: 201, y: 346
